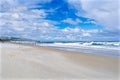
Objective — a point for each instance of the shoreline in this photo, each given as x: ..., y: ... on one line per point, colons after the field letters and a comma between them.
x: 26, y: 61
x: 74, y: 51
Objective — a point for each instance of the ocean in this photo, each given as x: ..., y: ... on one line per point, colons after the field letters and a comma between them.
x: 102, y: 48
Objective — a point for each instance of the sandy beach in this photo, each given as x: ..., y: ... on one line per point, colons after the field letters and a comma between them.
x: 42, y: 63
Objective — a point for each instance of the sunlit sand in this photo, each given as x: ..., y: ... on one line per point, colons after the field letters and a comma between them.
x: 32, y: 62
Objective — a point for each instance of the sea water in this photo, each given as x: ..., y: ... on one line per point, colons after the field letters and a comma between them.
x: 102, y: 48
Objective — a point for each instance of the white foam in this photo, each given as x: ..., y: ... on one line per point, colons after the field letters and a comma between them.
x: 101, y: 45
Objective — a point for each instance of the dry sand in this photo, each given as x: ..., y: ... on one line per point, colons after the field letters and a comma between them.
x: 31, y: 62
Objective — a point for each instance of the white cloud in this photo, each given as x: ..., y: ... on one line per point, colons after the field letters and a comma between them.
x: 15, y: 15
x: 77, y: 32
x: 20, y: 21
x: 89, y: 21
x: 104, y: 12
x: 71, y: 21
x: 17, y: 19
x: 71, y: 30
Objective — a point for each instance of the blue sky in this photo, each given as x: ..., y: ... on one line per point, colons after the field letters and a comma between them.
x: 60, y: 20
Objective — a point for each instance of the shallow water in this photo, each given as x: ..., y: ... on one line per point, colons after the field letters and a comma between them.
x: 102, y: 48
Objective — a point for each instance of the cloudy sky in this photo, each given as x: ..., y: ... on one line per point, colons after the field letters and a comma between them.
x: 60, y: 20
